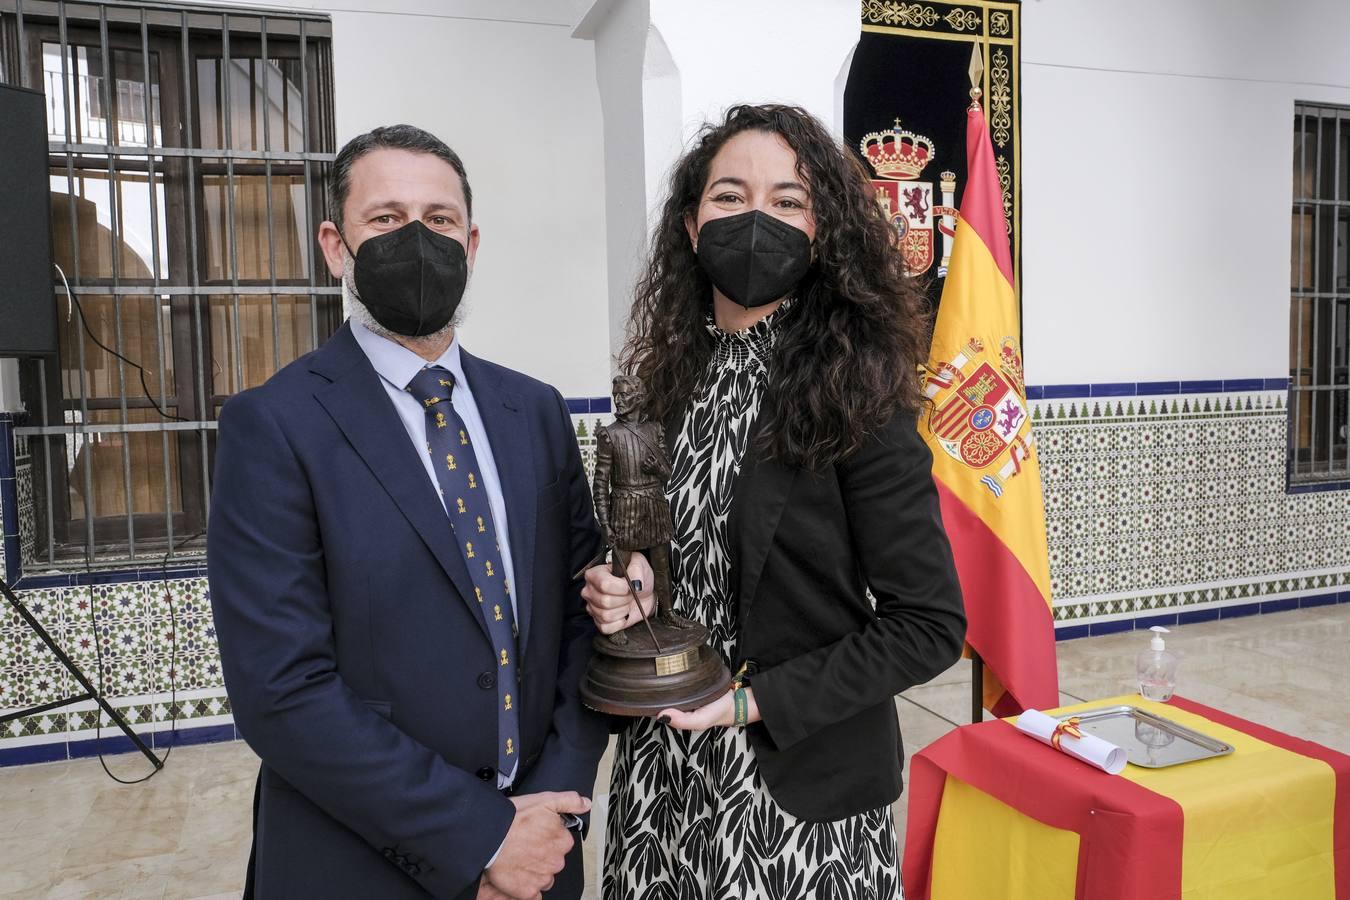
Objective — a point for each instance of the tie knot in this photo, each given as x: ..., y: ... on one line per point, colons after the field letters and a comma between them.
x: 432, y: 385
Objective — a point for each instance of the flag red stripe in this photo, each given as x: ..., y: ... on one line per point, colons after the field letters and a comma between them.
x: 927, y: 781
x: 982, y: 203
x: 1008, y: 619
x: 1135, y: 835
x: 1339, y: 763
x: 1006, y: 705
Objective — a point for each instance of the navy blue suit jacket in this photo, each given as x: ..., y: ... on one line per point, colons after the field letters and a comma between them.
x: 356, y: 659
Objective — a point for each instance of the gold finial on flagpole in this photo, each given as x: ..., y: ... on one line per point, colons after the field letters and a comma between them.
x: 976, y: 74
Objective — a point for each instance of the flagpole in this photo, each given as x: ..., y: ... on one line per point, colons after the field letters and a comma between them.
x: 976, y: 73
x: 976, y: 687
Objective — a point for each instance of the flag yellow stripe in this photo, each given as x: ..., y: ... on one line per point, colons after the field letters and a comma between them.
x: 1035, y: 862
x: 976, y: 295
x: 1259, y: 823
x: 979, y: 303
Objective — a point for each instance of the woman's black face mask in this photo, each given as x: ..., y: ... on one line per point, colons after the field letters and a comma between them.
x: 753, y: 257
x: 411, y: 279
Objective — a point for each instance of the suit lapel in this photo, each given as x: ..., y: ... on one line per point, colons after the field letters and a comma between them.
x: 757, y: 504
x: 357, y: 402
x: 509, y: 435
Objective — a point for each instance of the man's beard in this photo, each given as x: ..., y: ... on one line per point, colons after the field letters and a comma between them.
x: 351, y: 303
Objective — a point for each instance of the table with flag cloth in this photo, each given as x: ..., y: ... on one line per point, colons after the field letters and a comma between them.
x: 995, y: 814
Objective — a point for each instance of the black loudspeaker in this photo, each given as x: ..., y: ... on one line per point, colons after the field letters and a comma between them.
x: 27, y: 305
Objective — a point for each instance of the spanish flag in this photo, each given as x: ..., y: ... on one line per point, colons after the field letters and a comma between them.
x: 979, y: 430
x: 1269, y: 820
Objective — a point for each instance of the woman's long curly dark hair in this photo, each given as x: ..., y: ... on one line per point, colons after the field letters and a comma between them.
x: 848, y: 354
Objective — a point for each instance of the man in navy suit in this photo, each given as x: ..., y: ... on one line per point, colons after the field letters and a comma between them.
x: 395, y: 528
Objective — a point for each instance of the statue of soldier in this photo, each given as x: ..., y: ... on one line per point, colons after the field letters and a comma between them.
x: 663, y: 662
x: 631, y: 471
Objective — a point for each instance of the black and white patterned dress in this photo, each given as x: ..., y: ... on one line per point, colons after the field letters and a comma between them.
x: 689, y: 816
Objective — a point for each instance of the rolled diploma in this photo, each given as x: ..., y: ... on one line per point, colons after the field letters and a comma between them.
x: 1089, y: 748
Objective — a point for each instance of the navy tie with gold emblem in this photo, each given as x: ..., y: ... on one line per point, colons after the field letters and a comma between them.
x: 466, y: 502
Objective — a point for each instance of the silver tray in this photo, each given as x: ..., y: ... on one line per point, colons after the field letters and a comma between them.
x: 1148, y: 740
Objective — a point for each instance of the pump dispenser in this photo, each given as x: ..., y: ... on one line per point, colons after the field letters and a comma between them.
x: 1157, y: 668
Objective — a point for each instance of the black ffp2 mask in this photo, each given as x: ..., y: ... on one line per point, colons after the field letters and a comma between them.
x: 753, y: 257
x: 411, y: 279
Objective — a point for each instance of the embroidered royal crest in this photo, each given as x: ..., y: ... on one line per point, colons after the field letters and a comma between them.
x: 898, y: 157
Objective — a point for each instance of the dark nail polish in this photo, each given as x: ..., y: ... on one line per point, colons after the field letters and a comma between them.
x: 664, y: 720
x: 637, y: 584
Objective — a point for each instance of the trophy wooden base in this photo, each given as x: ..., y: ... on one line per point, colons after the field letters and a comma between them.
x: 634, y: 678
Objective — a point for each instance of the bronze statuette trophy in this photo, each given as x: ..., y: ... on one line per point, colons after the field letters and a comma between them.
x: 663, y: 662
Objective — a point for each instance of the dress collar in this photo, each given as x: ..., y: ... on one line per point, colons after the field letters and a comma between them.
x: 756, y: 342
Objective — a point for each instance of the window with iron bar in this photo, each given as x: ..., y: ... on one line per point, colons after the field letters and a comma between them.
x: 189, y: 146
x: 1319, y: 313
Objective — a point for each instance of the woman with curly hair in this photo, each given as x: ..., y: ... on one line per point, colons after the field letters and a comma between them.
x: 780, y: 340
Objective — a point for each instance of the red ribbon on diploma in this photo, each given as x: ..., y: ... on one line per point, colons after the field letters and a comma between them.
x: 1070, y: 727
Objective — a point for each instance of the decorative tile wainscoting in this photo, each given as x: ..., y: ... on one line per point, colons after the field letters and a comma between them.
x: 1164, y: 507
x: 132, y: 622
x: 1160, y: 507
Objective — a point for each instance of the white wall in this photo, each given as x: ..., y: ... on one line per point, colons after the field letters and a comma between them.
x: 1156, y: 158
x: 1156, y: 161
x: 504, y: 84
x: 1157, y: 177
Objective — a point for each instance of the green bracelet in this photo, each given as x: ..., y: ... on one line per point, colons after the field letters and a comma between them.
x: 742, y: 706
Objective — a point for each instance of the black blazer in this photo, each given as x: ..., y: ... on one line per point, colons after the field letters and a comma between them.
x: 805, y: 549
x: 356, y: 657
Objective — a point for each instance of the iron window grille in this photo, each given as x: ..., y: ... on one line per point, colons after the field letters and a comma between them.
x: 1319, y: 315
x: 188, y: 151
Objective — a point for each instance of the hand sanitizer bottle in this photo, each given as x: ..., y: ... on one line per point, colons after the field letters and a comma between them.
x: 1157, y: 668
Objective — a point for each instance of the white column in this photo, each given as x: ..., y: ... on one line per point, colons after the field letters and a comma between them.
x: 618, y: 29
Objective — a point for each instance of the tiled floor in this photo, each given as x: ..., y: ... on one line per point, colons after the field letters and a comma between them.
x: 68, y: 831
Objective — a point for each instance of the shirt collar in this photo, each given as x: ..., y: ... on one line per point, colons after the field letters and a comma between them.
x: 397, y: 364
